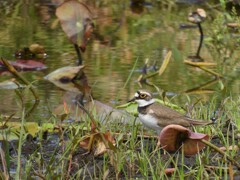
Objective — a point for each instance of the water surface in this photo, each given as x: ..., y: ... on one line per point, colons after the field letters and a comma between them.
x: 131, y: 38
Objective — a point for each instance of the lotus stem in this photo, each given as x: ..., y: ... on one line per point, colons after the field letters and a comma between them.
x: 201, y: 39
x: 78, y: 54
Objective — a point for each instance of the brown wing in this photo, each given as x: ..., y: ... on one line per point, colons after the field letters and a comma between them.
x: 169, y: 116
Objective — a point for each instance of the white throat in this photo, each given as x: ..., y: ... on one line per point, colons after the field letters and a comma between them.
x: 142, y: 102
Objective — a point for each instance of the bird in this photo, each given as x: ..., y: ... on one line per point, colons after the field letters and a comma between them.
x: 156, y: 116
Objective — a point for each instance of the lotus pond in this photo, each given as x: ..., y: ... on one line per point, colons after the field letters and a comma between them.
x: 131, y: 39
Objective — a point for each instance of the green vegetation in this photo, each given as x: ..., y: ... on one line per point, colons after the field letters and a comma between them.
x: 60, y: 155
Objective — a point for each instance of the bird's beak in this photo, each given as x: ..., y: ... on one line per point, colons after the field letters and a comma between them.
x: 132, y: 100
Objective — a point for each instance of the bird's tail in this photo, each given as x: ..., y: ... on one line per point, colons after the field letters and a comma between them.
x: 200, y: 122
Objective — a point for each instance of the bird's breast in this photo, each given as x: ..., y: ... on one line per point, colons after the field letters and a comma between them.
x: 149, y: 121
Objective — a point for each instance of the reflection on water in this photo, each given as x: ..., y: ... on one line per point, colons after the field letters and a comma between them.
x: 123, y: 38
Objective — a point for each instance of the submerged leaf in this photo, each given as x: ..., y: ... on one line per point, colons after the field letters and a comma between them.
x: 202, y: 66
x: 76, y: 21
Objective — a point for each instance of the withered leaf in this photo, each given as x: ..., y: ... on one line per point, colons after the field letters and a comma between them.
x: 76, y: 20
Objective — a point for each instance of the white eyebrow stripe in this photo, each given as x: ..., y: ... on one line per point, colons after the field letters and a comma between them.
x: 144, y: 92
x: 136, y: 95
x: 148, y: 93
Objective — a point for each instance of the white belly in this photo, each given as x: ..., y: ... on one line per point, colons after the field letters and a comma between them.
x: 150, y: 122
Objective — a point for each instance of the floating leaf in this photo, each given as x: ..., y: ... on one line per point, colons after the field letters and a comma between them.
x: 173, y: 137
x: 65, y: 74
x: 196, y: 64
x: 10, y: 85
x: 37, y: 49
x: 200, y: 63
x: 76, y: 21
x: 64, y: 78
x: 203, y: 88
x: 165, y: 63
x: 26, y: 65
x: 199, y: 91
x: 34, y: 51
x: 197, y: 16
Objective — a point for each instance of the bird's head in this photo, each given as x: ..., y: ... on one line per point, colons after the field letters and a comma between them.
x: 143, y: 98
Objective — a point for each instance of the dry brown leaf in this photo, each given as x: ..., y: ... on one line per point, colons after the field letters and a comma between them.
x: 98, y: 142
x: 173, y: 137
x: 169, y: 171
x: 230, y: 148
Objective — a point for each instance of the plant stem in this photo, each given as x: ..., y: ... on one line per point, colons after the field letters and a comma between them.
x: 5, y: 158
x: 131, y: 73
x: 18, y: 75
x: 93, y: 121
x: 221, y: 152
x: 201, y: 66
x: 210, y: 71
x: 20, y: 143
x: 78, y: 54
x: 201, y: 39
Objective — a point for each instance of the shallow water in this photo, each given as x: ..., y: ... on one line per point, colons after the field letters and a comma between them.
x: 148, y: 35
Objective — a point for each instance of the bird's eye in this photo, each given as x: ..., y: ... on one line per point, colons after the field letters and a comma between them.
x: 142, y: 96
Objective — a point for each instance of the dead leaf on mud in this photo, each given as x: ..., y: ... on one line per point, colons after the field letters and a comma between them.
x: 169, y: 171
x: 230, y: 148
x: 98, y: 142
